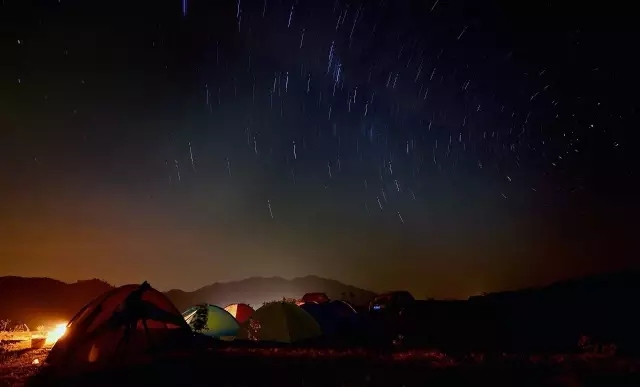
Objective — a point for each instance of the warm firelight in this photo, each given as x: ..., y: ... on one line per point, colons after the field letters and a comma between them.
x: 56, y: 333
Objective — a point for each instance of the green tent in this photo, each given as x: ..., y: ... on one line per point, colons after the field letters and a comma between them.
x: 281, y: 322
x: 212, y: 320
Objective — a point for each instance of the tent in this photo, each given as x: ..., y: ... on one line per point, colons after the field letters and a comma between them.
x: 320, y: 298
x: 335, y: 317
x: 349, y: 319
x: 392, y: 301
x: 214, y: 321
x: 126, y: 325
x: 241, y: 312
x: 323, y: 316
x: 343, y: 309
x: 281, y: 322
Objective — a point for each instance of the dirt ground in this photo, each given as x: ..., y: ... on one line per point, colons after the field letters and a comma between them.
x: 300, y: 367
x: 17, y: 362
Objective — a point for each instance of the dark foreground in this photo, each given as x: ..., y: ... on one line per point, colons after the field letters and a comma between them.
x: 305, y: 367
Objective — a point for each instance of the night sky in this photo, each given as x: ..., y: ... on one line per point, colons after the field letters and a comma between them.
x: 445, y: 147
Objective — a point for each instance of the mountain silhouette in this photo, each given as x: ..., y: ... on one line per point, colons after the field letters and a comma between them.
x: 42, y: 301
x: 601, y: 306
x: 256, y: 290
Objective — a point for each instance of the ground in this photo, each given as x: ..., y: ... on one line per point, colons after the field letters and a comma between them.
x: 17, y: 362
x: 306, y: 367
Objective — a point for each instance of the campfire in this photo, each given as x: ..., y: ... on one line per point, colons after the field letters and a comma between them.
x: 56, y: 333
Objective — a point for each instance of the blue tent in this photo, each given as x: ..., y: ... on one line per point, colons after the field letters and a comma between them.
x: 343, y: 309
x: 323, y: 317
x: 336, y: 318
x: 348, y: 319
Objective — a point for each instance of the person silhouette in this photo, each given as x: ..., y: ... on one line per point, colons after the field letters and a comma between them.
x: 134, y: 308
x: 129, y: 312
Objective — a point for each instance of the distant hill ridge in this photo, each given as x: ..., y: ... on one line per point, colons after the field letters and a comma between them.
x: 576, y: 304
x: 623, y: 283
x: 41, y: 300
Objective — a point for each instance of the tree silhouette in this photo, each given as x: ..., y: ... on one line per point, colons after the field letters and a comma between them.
x: 4, y: 325
x: 284, y: 299
x: 199, y: 323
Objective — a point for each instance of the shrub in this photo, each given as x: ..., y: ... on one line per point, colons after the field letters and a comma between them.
x: 200, y: 322
x: 253, y: 331
x: 588, y: 346
x: 284, y: 299
x: 20, y: 328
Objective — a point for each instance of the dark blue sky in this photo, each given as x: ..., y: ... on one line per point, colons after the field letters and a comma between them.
x: 446, y: 147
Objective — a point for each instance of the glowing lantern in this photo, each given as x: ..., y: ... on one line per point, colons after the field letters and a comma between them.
x: 56, y: 333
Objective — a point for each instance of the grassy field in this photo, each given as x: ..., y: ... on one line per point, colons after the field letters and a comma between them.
x: 326, y: 367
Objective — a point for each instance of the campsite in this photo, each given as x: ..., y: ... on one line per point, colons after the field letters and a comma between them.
x: 319, y: 193
x: 135, y: 335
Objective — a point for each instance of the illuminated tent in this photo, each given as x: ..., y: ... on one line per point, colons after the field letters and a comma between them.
x: 320, y: 298
x: 211, y: 320
x: 126, y: 325
x: 281, y: 322
x: 241, y: 312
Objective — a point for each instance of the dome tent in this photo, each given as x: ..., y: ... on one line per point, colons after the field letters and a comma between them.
x: 211, y: 320
x: 350, y: 321
x: 343, y: 308
x: 123, y: 326
x: 241, y: 312
x: 336, y: 318
x: 344, y: 311
x: 319, y: 298
x: 281, y: 322
x: 323, y: 316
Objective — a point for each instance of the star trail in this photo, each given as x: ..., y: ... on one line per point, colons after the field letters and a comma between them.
x: 443, y: 147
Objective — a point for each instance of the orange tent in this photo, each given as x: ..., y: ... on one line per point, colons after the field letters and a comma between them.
x: 125, y: 325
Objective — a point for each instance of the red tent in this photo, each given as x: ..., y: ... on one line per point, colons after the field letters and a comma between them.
x: 241, y: 312
x: 121, y: 326
x: 319, y: 298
